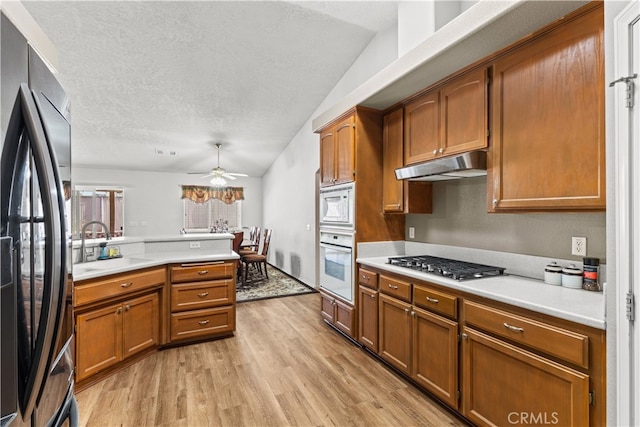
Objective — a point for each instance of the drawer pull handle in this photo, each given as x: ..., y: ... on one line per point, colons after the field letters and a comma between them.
x: 365, y: 277
x: 119, y: 310
x: 433, y: 300
x: 513, y: 328
x: 203, y: 322
x: 392, y: 286
x: 203, y: 294
x: 372, y: 296
x: 126, y: 285
x: 127, y: 307
x: 203, y: 272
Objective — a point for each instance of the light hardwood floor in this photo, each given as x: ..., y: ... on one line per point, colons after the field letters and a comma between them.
x: 283, y: 367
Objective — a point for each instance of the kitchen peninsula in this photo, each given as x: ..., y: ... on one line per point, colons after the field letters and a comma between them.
x: 165, y: 290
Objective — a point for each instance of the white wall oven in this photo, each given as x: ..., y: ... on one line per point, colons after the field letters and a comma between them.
x: 337, y: 206
x: 337, y: 263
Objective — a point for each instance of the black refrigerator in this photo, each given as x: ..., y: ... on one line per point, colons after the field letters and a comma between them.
x: 36, y: 329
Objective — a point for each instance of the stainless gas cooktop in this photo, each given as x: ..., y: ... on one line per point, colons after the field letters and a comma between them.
x: 450, y: 268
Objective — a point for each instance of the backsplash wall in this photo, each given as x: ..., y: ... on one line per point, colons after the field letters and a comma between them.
x: 460, y: 218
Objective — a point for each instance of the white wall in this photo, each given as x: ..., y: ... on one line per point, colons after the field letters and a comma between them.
x: 152, y: 199
x: 289, y: 186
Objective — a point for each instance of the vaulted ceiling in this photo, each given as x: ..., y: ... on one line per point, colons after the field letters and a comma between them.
x: 155, y: 85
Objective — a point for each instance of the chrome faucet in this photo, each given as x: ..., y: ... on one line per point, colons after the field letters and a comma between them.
x: 83, y: 254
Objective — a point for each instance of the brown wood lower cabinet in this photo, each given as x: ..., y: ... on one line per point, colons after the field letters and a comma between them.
x: 395, y: 332
x: 506, y: 385
x: 106, y: 336
x: 203, y: 300
x: 337, y: 313
x: 368, y: 317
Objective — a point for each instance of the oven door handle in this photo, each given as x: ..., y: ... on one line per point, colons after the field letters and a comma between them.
x: 336, y: 248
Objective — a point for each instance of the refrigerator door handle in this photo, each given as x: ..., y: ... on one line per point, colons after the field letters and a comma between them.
x: 54, y: 257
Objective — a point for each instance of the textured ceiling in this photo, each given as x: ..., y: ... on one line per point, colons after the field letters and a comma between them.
x: 180, y: 76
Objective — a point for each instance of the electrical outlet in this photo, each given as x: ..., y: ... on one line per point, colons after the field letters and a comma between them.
x: 194, y: 245
x: 412, y: 232
x: 579, y: 246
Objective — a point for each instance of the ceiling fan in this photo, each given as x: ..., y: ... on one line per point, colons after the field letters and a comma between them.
x: 218, y: 174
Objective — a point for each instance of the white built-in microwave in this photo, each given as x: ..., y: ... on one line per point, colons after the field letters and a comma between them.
x: 337, y: 206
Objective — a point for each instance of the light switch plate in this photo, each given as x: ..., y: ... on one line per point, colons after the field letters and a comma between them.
x: 412, y: 232
x: 194, y: 245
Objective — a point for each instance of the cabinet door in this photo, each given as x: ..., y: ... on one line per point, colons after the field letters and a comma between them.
x: 345, y: 150
x: 505, y: 385
x: 344, y: 319
x: 327, y: 309
x: 327, y: 157
x: 435, y: 355
x: 422, y: 128
x: 392, y: 159
x: 395, y: 332
x: 548, y: 122
x: 98, y: 340
x: 464, y: 113
x: 368, y: 318
x: 140, y: 324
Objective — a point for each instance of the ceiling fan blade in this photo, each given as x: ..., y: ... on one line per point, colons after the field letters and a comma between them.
x: 237, y: 174
x: 198, y: 173
x: 226, y: 175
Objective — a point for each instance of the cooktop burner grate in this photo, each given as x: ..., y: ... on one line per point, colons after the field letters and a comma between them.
x: 453, y: 269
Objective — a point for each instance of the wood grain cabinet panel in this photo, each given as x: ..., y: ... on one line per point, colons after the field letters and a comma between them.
x: 202, y: 323
x: 434, y: 359
x: 395, y: 332
x: 368, y: 317
x: 395, y: 287
x: 368, y: 278
x: 337, y: 152
x: 107, y: 336
x: 422, y: 128
x: 564, y: 344
x: 436, y: 301
x: 117, y: 285
x: 400, y: 196
x: 193, y: 296
x: 203, y: 300
x: 548, y: 147
x: 338, y: 313
x: 503, y: 383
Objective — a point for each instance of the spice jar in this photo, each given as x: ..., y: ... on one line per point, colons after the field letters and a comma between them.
x: 572, y: 277
x: 553, y: 274
x: 590, y: 274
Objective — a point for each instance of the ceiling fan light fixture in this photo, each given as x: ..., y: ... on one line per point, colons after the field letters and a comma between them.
x: 218, y: 181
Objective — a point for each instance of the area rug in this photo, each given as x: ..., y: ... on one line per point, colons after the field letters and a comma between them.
x: 279, y: 284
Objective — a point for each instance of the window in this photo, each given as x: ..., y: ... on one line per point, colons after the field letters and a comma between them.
x: 203, y: 216
x: 104, y: 205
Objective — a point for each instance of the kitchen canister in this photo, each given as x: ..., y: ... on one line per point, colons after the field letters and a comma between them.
x: 553, y: 274
x: 572, y: 277
x: 590, y: 274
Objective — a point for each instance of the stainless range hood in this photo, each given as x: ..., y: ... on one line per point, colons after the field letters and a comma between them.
x: 465, y: 165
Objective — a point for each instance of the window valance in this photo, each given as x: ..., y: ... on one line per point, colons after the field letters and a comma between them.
x: 200, y: 194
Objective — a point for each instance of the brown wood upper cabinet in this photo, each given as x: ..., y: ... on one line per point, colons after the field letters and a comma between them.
x: 447, y: 120
x: 400, y: 196
x: 337, y: 152
x: 548, y: 146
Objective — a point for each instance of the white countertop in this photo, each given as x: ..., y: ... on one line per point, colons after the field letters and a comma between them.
x: 94, y: 269
x: 576, y: 305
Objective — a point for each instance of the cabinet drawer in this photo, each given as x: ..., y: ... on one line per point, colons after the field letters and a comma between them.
x: 192, y: 296
x: 562, y: 343
x: 202, y: 323
x: 202, y: 271
x: 396, y: 288
x: 116, y: 285
x: 436, y: 301
x: 368, y: 278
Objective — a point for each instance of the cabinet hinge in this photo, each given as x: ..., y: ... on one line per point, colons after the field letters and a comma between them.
x: 631, y: 307
x: 458, y: 394
x: 592, y: 398
x: 630, y: 87
x: 353, y: 125
x: 488, y: 132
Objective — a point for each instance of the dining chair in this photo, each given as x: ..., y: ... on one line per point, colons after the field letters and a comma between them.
x: 258, y: 259
x: 237, y: 240
x: 251, y: 248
